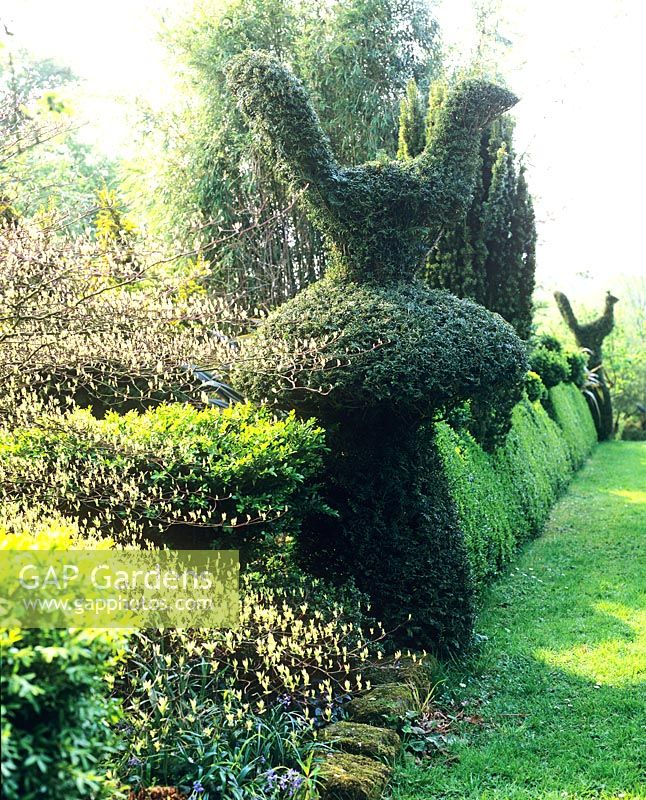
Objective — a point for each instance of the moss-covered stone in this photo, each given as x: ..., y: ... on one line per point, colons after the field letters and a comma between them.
x: 346, y: 776
x: 361, y: 739
x: 382, y: 704
x: 419, y: 673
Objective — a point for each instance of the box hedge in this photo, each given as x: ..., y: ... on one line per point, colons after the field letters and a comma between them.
x: 503, y: 498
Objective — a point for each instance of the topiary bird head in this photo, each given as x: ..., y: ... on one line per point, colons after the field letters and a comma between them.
x: 378, y: 218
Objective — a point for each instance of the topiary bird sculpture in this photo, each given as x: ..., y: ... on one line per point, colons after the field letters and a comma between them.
x: 376, y: 355
x: 590, y: 336
x: 374, y: 217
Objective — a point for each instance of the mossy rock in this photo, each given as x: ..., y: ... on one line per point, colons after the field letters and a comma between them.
x: 364, y: 740
x: 345, y: 776
x: 382, y: 704
x: 419, y: 673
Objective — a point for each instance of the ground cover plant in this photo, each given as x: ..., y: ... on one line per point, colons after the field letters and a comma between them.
x: 237, y: 710
x: 557, y: 683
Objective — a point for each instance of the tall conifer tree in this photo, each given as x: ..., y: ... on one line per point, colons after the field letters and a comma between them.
x: 489, y: 253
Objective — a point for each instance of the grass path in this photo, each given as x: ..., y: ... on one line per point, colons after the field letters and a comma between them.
x: 561, y: 679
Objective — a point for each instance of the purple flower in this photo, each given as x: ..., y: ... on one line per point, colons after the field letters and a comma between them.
x: 288, y: 783
x: 133, y: 761
x: 197, y: 787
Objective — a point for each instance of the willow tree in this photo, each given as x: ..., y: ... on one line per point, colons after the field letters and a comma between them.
x: 375, y: 354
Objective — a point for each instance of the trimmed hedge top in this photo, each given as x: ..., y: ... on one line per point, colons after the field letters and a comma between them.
x: 503, y: 498
x: 337, y: 348
x: 236, y: 474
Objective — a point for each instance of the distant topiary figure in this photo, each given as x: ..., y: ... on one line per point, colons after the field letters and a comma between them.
x: 375, y: 354
x: 591, y: 336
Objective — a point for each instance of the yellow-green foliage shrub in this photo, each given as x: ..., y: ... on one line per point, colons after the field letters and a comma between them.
x: 228, y: 476
x: 56, y: 705
x: 503, y: 498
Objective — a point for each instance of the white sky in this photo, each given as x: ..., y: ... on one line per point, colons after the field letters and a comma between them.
x: 578, y: 66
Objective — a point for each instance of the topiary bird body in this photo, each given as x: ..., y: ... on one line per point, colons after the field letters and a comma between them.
x: 375, y: 354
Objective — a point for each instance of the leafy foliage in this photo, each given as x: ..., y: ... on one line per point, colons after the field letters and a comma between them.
x: 535, y: 387
x: 43, y: 162
x: 578, y: 364
x: 551, y: 365
x: 412, y: 131
x: 234, y: 476
x: 562, y: 636
x: 487, y: 251
x: 356, y: 55
x: 503, y: 498
x: 590, y: 336
x: 338, y: 347
x: 101, y: 323
x: 578, y: 427
x: 236, y: 709
x: 371, y: 216
x: 56, y: 709
x: 375, y: 355
x: 625, y: 355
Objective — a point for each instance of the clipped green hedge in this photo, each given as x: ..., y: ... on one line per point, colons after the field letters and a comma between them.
x: 503, y: 498
x: 571, y: 412
x: 220, y: 477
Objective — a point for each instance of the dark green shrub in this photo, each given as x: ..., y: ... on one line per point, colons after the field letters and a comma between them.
x: 397, y: 532
x: 578, y: 364
x: 374, y: 217
x: 375, y: 355
x: 56, y: 713
x: 633, y: 431
x: 338, y: 347
x: 227, y: 477
x: 535, y: 387
x: 550, y: 364
x: 550, y: 342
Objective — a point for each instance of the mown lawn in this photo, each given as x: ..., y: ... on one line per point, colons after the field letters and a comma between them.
x: 560, y: 680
